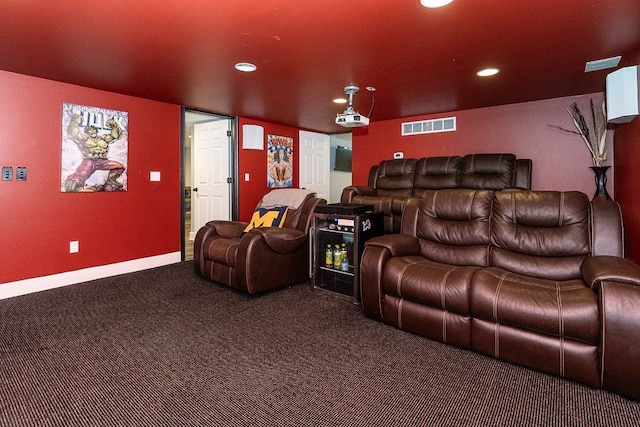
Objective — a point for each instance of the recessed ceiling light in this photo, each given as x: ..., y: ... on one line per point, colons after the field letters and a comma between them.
x: 245, y: 67
x: 434, y: 3
x: 340, y: 100
x: 487, y: 72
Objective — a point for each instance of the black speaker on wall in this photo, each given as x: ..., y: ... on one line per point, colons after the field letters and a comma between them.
x: 622, y: 95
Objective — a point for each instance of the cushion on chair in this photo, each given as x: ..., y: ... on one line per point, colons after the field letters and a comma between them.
x: 267, y: 217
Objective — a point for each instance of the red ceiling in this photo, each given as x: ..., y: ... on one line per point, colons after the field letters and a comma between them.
x: 419, y: 60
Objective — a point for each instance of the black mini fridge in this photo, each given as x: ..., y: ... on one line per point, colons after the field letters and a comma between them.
x: 338, y: 233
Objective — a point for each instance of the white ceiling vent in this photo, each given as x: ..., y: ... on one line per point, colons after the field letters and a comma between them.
x: 446, y: 124
x: 602, y: 64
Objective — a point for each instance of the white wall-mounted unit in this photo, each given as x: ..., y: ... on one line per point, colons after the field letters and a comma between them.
x: 622, y: 95
x: 252, y: 137
x: 445, y: 124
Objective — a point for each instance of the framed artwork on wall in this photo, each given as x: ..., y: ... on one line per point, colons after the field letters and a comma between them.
x: 95, y: 144
x: 279, y: 161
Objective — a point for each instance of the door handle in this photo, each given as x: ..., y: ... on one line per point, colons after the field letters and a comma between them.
x: 195, y: 190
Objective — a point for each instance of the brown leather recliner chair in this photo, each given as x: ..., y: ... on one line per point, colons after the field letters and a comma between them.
x: 264, y: 258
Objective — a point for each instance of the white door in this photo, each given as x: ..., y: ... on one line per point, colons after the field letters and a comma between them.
x: 314, y: 163
x: 211, y: 187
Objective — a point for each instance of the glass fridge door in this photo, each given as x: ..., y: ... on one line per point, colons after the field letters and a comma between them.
x: 334, y: 254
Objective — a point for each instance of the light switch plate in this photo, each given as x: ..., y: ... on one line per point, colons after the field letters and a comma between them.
x: 21, y: 173
x: 7, y: 173
x: 154, y: 176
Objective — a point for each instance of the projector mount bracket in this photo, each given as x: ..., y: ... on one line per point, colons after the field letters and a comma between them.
x: 350, y: 91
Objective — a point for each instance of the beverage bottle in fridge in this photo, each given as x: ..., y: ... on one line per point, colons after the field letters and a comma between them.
x: 328, y: 259
x: 345, y: 260
x: 337, y: 258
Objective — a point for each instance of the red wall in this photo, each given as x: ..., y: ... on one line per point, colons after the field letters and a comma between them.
x: 560, y: 159
x: 627, y: 142
x: 254, y: 162
x: 37, y: 221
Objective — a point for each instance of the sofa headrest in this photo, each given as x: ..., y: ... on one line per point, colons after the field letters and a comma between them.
x: 488, y: 171
x: 434, y: 173
x: 541, y: 233
x: 396, y: 174
x: 397, y: 167
x: 452, y: 225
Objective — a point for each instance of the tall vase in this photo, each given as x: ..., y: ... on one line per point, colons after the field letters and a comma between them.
x: 601, y: 182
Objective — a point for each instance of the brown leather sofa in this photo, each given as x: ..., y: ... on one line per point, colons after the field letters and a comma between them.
x: 261, y: 259
x: 535, y: 278
x: 392, y: 182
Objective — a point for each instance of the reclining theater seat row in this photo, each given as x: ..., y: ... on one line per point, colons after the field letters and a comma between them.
x: 392, y: 182
x: 535, y: 278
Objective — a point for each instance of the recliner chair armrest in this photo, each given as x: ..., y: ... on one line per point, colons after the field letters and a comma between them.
x: 616, y: 281
x: 348, y: 193
x: 280, y: 240
x: 397, y: 244
x: 610, y: 268
x: 231, y: 229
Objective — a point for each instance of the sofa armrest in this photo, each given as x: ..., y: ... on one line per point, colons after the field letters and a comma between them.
x: 270, y: 257
x: 350, y: 192
x: 522, y: 174
x: 230, y: 229
x: 396, y: 244
x: 372, y: 264
x: 610, y: 268
x: 280, y: 240
x: 227, y: 229
x: 620, y: 337
x: 607, y: 228
x: 377, y: 251
x: 617, y: 283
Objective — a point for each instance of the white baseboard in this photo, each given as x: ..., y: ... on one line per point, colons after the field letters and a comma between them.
x: 37, y: 284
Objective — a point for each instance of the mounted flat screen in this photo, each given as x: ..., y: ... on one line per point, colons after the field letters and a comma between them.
x: 343, y: 159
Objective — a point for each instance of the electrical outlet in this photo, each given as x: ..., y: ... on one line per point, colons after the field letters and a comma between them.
x: 74, y: 247
x: 7, y: 173
x: 21, y: 173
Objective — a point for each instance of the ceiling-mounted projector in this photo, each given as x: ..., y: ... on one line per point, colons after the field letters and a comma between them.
x: 351, y: 118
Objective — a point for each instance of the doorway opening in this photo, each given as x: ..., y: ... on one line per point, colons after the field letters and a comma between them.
x: 340, y: 177
x: 209, y: 189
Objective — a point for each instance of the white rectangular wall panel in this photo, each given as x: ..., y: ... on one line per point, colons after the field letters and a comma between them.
x: 622, y: 95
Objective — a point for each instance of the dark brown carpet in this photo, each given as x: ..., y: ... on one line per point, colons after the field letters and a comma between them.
x: 164, y: 347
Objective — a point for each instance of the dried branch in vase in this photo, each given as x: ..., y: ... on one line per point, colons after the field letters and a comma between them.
x: 594, y: 136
